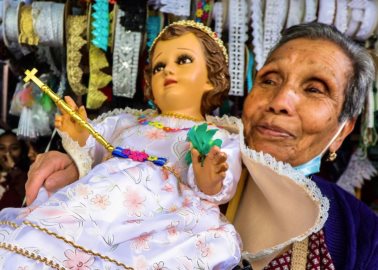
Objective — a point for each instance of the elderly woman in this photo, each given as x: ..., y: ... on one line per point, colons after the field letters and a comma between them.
x: 305, y: 101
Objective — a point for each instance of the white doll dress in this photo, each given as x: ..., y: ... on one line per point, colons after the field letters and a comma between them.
x: 126, y: 214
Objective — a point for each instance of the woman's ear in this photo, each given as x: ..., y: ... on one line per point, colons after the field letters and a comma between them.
x: 347, y: 129
x: 208, y: 86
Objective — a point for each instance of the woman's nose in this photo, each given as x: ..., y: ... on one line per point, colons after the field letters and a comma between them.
x: 283, y: 101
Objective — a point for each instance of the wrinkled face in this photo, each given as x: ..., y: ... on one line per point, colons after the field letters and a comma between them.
x: 9, y: 144
x: 293, y: 108
x: 179, y: 74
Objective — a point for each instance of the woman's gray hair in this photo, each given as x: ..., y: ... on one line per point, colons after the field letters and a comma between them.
x: 363, y: 73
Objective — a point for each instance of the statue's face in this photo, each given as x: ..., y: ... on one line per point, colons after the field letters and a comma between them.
x: 179, y: 74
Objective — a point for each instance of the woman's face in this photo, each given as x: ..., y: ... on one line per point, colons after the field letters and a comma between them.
x: 179, y: 75
x: 9, y: 144
x: 292, y: 111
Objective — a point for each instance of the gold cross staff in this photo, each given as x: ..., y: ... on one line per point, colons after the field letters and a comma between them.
x: 30, y: 75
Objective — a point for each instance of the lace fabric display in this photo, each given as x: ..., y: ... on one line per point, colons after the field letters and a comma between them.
x: 311, y: 8
x: 274, y: 20
x: 237, y: 38
x: 125, y: 60
x: 258, y: 31
x: 176, y: 7
x: 296, y: 13
x: 341, y: 17
x: 48, y: 23
x: 76, y: 26
x: 10, y: 27
x: 218, y: 18
x: 369, y: 21
x: 327, y: 10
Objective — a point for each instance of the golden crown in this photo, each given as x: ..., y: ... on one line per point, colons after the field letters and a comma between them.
x: 199, y: 26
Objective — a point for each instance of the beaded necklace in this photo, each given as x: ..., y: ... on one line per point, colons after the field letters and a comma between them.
x: 142, y: 120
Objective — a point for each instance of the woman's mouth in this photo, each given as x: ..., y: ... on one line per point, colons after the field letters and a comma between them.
x: 273, y: 131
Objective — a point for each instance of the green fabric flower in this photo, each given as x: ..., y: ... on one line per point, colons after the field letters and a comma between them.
x: 202, y: 140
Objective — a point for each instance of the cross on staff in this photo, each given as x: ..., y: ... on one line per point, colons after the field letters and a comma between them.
x: 31, y: 75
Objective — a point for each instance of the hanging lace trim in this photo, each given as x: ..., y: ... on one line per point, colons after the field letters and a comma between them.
x: 308, y: 185
x: 341, y: 18
x: 296, y: 12
x: 176, y: 7
x: 274, y: 21
x: 355, y: 14
x: 359, y: 169
x: 369, y: 21
x: 257, y: 31
x: 218, y: 18
x: 237, y: 38
x: 311, y: 10
x: 48, y: 21
x: 327, y: 11
x: 125, y: 60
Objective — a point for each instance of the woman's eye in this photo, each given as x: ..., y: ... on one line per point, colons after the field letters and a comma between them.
x: 268, y: 81
x: 184, y: 59
x: 157, y: 68
x: 313, y: 90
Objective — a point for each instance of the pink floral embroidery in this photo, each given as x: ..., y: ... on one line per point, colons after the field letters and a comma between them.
x: 172, y: 230
x: 141, y: 242
x: 187, y: 202
x: 159, y: 266
x: 203, y: 247
x: 168, y: 188
x: 133, y: 202
x: 101, y: 201
x: 78, y: 260
x: 82, y: 190
x: 140, y: 263
x: 155, y: 134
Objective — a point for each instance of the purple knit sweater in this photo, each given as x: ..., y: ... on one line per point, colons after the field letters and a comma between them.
x: 351, y: 230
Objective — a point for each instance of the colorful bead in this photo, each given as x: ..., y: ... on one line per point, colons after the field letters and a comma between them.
x: 138, y: 156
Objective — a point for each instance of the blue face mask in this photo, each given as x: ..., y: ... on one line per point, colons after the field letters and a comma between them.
x: 311, y: 167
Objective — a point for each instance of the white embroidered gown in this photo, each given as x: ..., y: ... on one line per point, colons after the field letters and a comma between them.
x: 127, y: 213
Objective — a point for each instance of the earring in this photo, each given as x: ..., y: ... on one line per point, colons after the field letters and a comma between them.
x: 151, y: 104
x: 332, y: 156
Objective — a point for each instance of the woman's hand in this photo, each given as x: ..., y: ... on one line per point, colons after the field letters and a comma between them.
x: 52, y: 170
x: 67, y: 124
x: 210, y: 175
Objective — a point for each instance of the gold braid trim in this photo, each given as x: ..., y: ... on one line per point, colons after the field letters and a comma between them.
x: 31, y: 255
x: 28, y: 223
x: 299, y: 255
x: 9, y: 223
x: 97, y: 78
x: 27, y: 34
x: 76, y: 26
